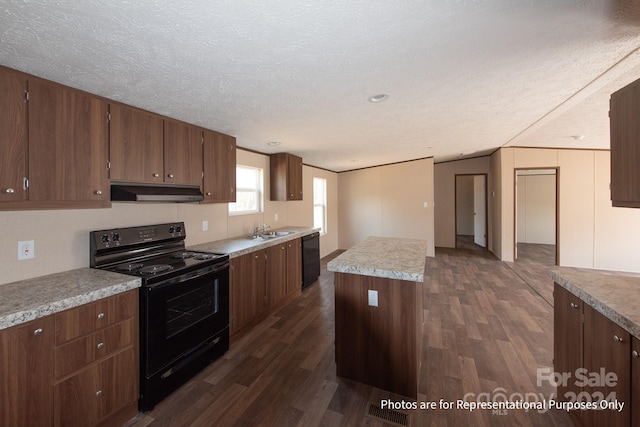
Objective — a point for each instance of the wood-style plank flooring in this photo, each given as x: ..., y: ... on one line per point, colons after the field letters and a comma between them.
x: 486, y: 331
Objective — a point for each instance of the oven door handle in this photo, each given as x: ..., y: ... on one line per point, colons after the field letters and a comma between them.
x: 189, y: 276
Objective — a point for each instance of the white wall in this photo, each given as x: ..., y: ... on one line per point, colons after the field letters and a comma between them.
x: 62, y: 236
x: 445, y: 193
x: 536, y: 212
x: 387, y: 201
x: 592, y: 234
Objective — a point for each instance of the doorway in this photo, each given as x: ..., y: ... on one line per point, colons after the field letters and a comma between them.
x: 536, y: 215
x: 471, y: 211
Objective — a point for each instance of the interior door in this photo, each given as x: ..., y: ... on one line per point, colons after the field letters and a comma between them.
x: 479, y: 211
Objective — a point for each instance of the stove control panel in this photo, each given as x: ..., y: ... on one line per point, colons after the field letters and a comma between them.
x: 134, y: 236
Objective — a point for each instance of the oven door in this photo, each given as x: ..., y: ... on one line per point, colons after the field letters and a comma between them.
x: 180, y: 314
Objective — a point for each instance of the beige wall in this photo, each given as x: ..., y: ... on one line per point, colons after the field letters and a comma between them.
x: 62, y: 236
x: 536, y: 212
x: 445, y: 193
x: 464, y: 205
x: 387, y: 201
x: 592, y: 234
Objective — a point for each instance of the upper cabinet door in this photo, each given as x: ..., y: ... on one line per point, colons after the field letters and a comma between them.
x: 182, y: 153
x: 68, y: 144
x: 219, y: 155
x: 294, y: 179
x: 136, y: 145
x: 13, y: 136
x: 624, y: 120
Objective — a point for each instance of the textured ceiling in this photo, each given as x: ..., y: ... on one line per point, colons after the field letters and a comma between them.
x: 463, y: 76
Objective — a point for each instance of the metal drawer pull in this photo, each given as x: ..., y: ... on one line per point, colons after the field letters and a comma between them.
x: 635, y: 354
x: 155, y: 175
x: 170, y: 175
x: 208, y: 193
x: 574, y: 305
x: 617, y: 338
x: 99, y: 192
x: 9, y: 191
x: 99, y: 393
x: 101, y: 316
x: 37, y: 331
x: 100, y: 346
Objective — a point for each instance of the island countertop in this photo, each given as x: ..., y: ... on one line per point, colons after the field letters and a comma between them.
x: 615, y: 295
x: 31, y: 299
x: 388, y: 257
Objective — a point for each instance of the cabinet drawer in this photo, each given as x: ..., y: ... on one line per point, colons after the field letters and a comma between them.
x: 88, y: 318
x: 77, y: 354
x: 97, y: 392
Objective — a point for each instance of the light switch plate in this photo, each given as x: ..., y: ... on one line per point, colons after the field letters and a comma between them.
x: 373, y: 298
x: 205, y: 225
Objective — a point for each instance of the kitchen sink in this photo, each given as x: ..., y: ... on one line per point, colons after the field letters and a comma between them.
x: 269, y: 235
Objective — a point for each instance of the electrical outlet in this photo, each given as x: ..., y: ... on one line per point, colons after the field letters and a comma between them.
x: 205, y: 225
x: 276, y: 217
x: 26, y: 249
x: 373, y: 298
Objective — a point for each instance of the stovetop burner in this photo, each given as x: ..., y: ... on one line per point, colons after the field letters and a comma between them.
x: 184, y: 255
x: 154, y: 269
x: 129, y: 267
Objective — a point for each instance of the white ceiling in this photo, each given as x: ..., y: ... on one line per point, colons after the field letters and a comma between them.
x: 463, y: 76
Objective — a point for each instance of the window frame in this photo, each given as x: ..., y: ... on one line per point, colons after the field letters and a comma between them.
x: 323, y: 205
x: 258, y: 190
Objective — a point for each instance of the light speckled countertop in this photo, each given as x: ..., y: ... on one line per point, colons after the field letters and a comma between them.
x: 389, y: 257
x: 614, y: 294
x: 237, y: 246
x: 30, y: 299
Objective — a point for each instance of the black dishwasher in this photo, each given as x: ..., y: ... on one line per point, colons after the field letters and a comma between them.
x: 310, y: 259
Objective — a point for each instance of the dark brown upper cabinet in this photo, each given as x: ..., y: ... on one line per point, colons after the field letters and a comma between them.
x: 182, y: 153
x: 13, y: 136
x: 286, y: 177
x: 219, y: 155
x: 136, y: 145
x: 68, y: 145
x: 624, y: 116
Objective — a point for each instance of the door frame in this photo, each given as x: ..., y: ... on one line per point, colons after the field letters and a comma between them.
x: 486, y: 206
x: 515, y: 213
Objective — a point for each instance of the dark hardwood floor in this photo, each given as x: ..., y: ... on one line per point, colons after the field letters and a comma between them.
x: 486, y: 331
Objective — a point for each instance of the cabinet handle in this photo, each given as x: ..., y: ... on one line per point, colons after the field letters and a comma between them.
x: 232, y: 189
x: 155, y: 175
x: 255, y: 257
x: 100, y: 346
x: 99, y: 393
x: 574, y: 305
x: 635, y: 354
x: 208, y: 194
x: 617, y: 338
x: 99, y: 192
x: 100, y: 316
x: 170, y: 175
x: 9, y: 191
x: 37, y: 331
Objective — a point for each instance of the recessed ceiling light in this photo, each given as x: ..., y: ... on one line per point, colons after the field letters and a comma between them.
x: 379, y: 98
x: 273, y: 143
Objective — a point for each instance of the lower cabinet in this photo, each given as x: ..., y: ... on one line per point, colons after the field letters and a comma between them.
x: 635, y: 382
x: 26, y: 362
x: 78, y: 367
x: 261, y: 282
x: 595, y: 355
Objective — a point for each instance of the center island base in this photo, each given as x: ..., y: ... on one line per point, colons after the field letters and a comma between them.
x: 379, y: 346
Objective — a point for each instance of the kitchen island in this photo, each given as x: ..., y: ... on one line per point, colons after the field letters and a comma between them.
x: 596, y: 335
x: 379, y: 313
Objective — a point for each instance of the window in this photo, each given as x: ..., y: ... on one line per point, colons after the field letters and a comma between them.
x: 320, y: 204
x: 248, y: 191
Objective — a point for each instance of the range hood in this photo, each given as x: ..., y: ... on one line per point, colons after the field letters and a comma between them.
x: 133, y: 192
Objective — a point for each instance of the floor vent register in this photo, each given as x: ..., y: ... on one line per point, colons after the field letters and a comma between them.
x: 388, y: 415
